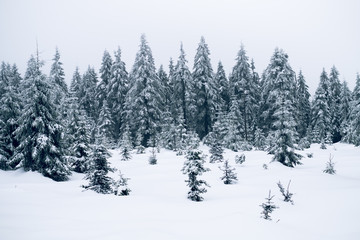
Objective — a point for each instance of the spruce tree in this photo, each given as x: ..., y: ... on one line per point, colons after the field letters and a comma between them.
x: 78, y: 136
x: 39, y: 132
x: 10, y: 111
x: 57, y: 80
x: 244, y: 91
x: 98, y: 170
x: 345, y: 108
x: 222, y: 84
x: 87, y: 93
x: 268, y: 207
x: 126, y: 145
x: 121, y: 186
x: 105, y: 126
x: 229, y: 176
x: 194, y: 167
x: 204, y: 91
x: 105, y: 75
x: 216, y: 151
x: 303, y: 107
x: 144, y: 100
x: 117, y: 89
x: 321, y: 119
x: 334, y: 104
x: 353, y: 133
x: 283, y: 116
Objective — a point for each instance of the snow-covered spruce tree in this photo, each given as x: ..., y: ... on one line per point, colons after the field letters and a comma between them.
x: 121, y: 186
x: 87, y: 93
x: 144, y: 103
x: 233, y: 126
x: 345, y: 109
x: 181, y: 83
x: 204, y: 91
x: 105, y: 75
x: 268, y: 207
x: 165, y: 83
x: 194, y: 167
x: 244, y: 91
x: 286, y: 194
x: 77, y: 136
x: 117, y: 89
x: 126, y: 145
x: 222, y: 85
x: 303, y: 107
x: 334, y: 104
x: 105, y: 126
x: 216, y: 151
x: 39, y: 131
x: 353, y: 132
x: 259, y: 140
x: 98, y: 170
x: 153, y: 158
x: 10, y: 111
x: 282, y: 97
x: 330, y: 166
x: 57, y: 81
x: 76, y: 84
x: 229, y: 176
x: 321, y: 120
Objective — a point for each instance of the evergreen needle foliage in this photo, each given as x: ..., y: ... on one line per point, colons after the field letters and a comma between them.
x: 229, y: 176
x: 268, y: 207
x: 287, y: 195
x: 330, y: 166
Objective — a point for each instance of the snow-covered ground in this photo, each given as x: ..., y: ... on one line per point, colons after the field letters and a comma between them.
x: 326, y: 206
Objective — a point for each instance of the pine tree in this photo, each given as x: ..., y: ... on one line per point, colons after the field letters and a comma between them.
x: 106, y: 76
x: 204, y: 91
x: 268, y: 207
x: 39, y: 131
x: 233, y: 125
x: 57, y: 80
x: 144, y: 99
x: 126, y: 145
x: 10, y: 111
x: 229, y: 176
x: 194, y: 167
x: 76, y: 84
x: 303, y: 107
x: 105, y: 126
x: 244, y: 91
x: 181, y: 83
x: 98, y: 170
x: 330, y: 166
x: 87, y: 93
x: 222, y: 84
x: 334, y: 104
x: 216, y: 151
x: 345, y: 108
x: 78, y: 136
x: 117, y: 89
x: 121, y: 186
x: 283, y: 116
x: 321, y: 118
x: 353, y: 132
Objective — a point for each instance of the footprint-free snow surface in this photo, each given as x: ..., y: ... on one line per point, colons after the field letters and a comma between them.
x: 325, y: 206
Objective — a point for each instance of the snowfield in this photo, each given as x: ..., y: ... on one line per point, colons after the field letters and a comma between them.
x: 326, y: 206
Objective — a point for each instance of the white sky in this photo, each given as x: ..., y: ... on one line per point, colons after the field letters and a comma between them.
x: 315, y: 34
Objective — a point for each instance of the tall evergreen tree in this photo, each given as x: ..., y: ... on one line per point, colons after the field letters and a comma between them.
x: 222, y: 85
x: 76, y: 83
x: 97, y: 174
x: 204, y: 91
x: 282, y: 98
x: 88, y: 91
x: 57, y: 79
x: 353, y: 133
x: 321, y: 119
x: 10, y: 111
x: 345, y: 108
x: 39, y: 131
x: 244, y: 90
x: 105, y: 75
x: 194, y: 167
x: 334, y: 104
x: 144, y: 99
x: 105, y: 126
x: 302, y: 105
x: 181, y: 83
x: 117, y: 89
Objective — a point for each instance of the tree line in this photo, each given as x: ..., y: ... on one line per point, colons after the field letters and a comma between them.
x: 49, y: 127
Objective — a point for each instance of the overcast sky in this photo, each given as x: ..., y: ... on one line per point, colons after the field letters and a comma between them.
x: 315, y: 34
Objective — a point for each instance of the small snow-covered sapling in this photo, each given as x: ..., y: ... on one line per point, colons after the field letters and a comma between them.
x: 229, y: 176
x: 265, y: 166
x: 120, y: 186
x: 330, y: 166
x: 152, y: 158
x: 240, y: 159
x: 268, y: 207
x: 287, y: 195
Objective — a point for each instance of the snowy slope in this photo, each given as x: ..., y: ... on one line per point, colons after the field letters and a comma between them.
x: 326, y: 206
